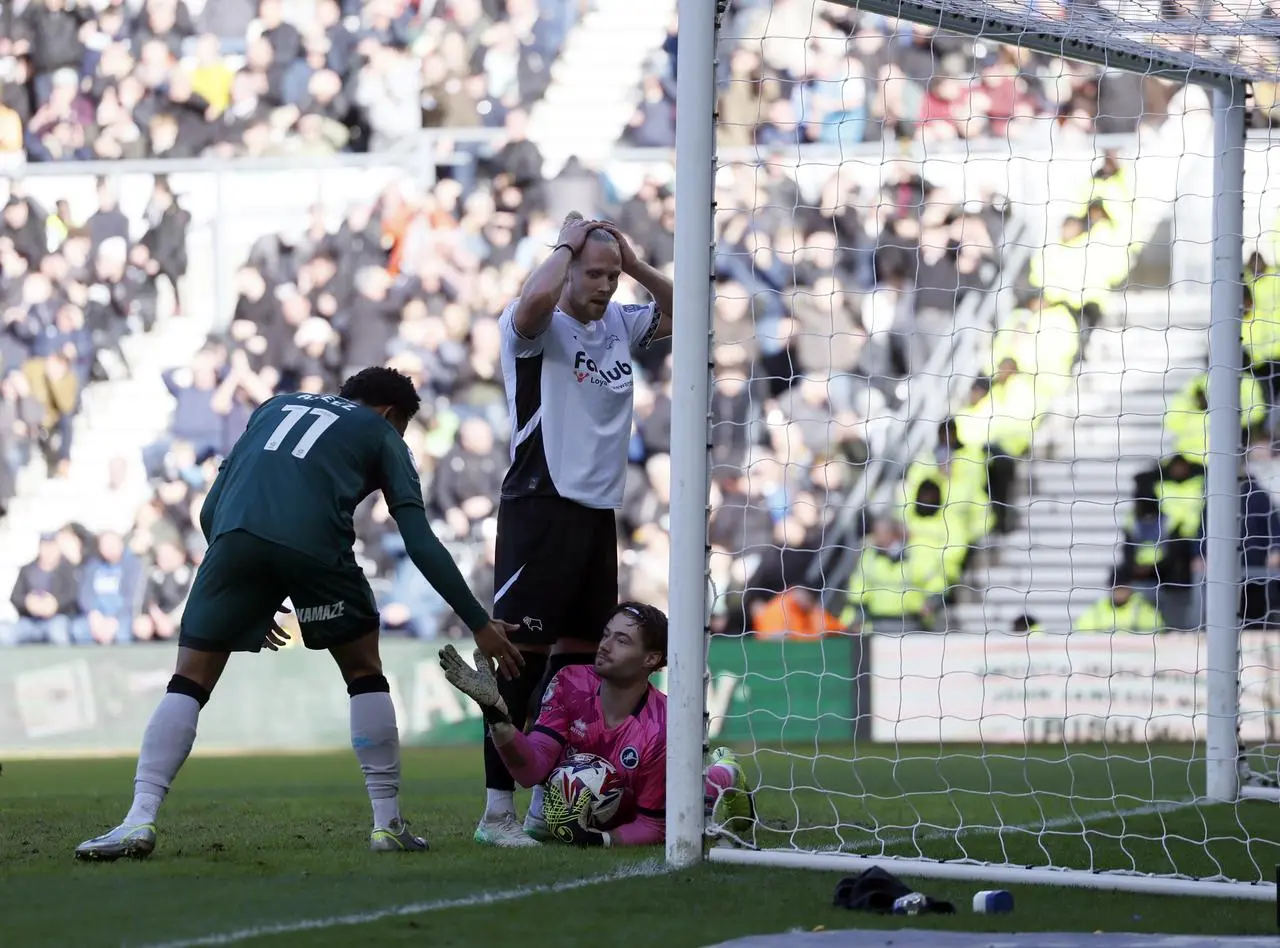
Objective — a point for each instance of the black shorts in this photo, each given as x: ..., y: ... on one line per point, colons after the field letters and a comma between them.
x: 244, y: 579
x: 556, y: 571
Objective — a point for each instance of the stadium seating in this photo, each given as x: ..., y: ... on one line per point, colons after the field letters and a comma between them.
x: 823, y: 322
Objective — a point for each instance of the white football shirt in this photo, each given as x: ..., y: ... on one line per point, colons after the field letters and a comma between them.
x: 570, y: 393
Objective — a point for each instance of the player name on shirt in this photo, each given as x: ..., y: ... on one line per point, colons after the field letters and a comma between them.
x: 570, y: 394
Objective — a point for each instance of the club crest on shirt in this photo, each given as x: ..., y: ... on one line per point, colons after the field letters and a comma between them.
x: 629, y: 758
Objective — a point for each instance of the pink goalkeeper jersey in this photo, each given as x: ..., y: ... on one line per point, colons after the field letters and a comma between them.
x: 571, y: 722
x: 637, y: 747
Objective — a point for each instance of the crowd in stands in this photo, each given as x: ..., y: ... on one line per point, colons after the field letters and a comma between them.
x: 111, y: 79
x: 808, y: 350
x: 70, y: 292
x: 830, y: 75
x: 825, y: 311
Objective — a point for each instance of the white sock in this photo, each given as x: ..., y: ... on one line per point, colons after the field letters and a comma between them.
x: 535, y: 804
x: 165, y: 746
x: 376, y: 742
x: 499, y: 802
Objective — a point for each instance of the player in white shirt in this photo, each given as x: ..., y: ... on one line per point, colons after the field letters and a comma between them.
x: 566, y: 359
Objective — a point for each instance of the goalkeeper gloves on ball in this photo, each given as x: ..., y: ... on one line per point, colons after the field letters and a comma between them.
x: 575, y: 834
x: 479, y: 683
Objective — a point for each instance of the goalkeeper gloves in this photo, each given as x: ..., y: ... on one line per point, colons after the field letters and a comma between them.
x: 479, y: 683
x: 575, y: 834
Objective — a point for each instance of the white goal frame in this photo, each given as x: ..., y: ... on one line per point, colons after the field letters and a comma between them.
x: 695, y: 165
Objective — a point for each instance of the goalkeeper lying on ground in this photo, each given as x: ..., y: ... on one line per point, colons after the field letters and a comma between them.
x: 611, y: 710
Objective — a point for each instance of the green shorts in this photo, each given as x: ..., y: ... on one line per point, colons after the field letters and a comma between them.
x: 244, y: 579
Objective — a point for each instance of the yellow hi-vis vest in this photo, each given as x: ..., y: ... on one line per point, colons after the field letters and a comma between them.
x: 1042, y: 343
x: 943, y: 535
x: 1189, y: 424
x: 1136, y: 615
x: 1059, y: 271
x: 964, y: 489
x: 1182, y: 505
x: 1260, y: 328
x: 883, y: 586
x: 1006, y: 417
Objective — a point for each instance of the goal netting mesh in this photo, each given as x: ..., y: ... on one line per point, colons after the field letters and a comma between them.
x: 960, y: 432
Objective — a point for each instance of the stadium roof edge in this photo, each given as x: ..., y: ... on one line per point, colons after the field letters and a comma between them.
x: 978, y: 20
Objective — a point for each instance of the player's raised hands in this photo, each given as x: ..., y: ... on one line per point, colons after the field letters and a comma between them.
x: 629, y: 256
x: 492, y: 642
x: 575, y: 232
x: 478, y: 683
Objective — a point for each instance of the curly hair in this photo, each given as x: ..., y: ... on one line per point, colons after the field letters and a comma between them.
x: 652, y: 623
x: 381, y: 387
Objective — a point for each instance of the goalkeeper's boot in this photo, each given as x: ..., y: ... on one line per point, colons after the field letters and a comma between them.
x: 396, y: 838
x: 136, y: 841
x: 502, y: 830
x: 733, y: 811
x: 535, y: 827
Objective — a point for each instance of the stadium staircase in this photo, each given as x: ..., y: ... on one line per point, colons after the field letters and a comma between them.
x: 593, y: 87
x: 117, y: 419
x: 1073, y: 496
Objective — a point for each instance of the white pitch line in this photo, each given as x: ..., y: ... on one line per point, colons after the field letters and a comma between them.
x: 642, y: 870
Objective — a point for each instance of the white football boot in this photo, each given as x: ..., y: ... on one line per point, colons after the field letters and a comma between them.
x: 504, y: 831
x: 134, y: 842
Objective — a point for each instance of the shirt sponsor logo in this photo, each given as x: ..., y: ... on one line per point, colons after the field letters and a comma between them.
x: 616, y: 377
x: 333, y: 610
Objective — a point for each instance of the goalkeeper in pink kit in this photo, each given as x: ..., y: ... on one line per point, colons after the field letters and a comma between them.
x: 609, y: 709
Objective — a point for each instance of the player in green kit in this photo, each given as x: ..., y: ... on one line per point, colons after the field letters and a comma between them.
x: 279, y: 524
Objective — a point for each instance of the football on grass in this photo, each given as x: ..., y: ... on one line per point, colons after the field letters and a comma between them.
x: 583, y: 789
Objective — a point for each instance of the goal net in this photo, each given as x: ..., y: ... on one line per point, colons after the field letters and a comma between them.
x: 992, y: 544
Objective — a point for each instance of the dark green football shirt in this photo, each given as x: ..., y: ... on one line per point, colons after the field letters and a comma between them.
x: 303, y: 465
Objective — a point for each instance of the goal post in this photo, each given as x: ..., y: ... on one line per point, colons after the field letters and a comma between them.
x: 690, y: 427
x: 1154, y: 845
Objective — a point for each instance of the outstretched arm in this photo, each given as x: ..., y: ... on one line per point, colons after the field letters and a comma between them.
x: 433, y: 561
x: 529, y: 757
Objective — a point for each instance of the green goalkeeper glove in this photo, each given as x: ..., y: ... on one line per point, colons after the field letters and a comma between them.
x: 479, y: 683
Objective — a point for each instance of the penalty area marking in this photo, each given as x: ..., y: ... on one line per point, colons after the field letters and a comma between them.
x: 643, y: 870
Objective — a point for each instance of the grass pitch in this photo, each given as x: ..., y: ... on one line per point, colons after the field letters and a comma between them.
x: 272, y: 852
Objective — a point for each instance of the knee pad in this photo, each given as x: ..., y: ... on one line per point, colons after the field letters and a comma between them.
x: 181, y: 685
x: 369, y: 685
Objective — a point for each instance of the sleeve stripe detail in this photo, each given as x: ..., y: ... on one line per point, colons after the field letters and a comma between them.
x: 647, y: 339
x: 542, y: 729
x: 656, y: 814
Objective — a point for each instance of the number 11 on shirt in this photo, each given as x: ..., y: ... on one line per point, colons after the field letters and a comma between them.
x: 294, y: 414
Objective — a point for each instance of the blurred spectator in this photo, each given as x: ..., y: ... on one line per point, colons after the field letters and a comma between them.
x: 164, y: 594
x: 469, y: 477
x: 1123, y: 609
x: 109, y: 587
x: 45, y: 596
